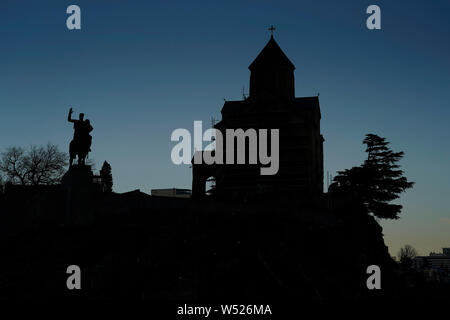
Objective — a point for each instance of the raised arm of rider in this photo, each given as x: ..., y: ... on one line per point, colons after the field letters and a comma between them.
x: 69, y: 117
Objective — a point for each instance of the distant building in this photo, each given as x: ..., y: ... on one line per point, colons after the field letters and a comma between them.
x: 173, y: 192
x: 97, y: 181
x: 435, y: 266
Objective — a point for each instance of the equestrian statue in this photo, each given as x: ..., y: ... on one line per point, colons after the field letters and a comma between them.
x: 81, y: 143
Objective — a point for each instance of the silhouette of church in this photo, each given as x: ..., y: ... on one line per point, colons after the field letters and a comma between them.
x: 271, y: 105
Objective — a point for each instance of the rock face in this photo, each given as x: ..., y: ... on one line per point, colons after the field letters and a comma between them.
x: 142, y: 247
x: 289, y: 252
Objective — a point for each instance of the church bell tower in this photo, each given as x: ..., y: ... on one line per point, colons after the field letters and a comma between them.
x: 272, y: 74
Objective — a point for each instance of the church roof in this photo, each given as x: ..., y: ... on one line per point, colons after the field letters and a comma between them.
x: 301, y: 103
x: 271, y: 55
x: 307, y: 102
x: 232, y: 106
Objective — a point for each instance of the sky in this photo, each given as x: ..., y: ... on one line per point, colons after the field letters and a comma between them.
x: 141, y: 69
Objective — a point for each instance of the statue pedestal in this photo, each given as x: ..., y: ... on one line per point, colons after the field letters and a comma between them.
x: 79, y: 187
x: 78, y: 177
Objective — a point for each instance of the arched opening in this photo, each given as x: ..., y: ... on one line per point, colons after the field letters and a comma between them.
x: 203, y: 180
x: 210, y: 185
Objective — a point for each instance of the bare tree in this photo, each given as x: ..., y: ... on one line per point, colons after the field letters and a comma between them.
x: 35, y: 166
x: 406, y: 255
x: 12, y: 165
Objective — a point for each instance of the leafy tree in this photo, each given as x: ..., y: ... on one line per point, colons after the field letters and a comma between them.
x: 106, y: 175
x: 376, y: 182
x: 34, y: 166
x: 406, y: 255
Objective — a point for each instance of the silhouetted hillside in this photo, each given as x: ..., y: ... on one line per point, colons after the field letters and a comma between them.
x: 143, y: 247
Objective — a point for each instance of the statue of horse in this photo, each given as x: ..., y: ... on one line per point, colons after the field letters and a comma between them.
x: 77, y: 148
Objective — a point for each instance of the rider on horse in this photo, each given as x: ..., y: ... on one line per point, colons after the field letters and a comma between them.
x: 81, y: 143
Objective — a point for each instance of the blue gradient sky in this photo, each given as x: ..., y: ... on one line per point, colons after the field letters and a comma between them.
x: 140, y: 69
